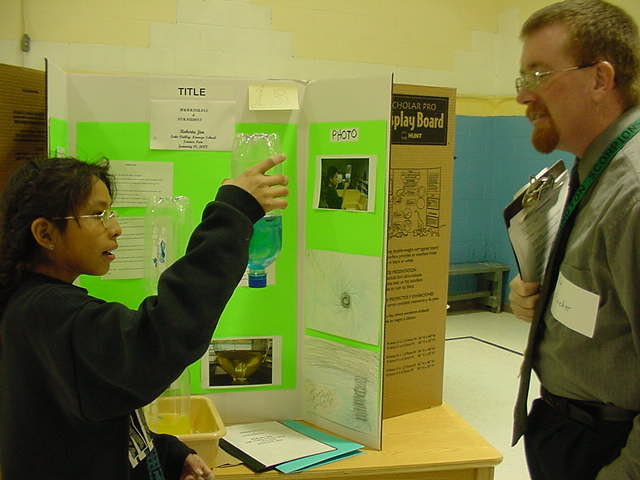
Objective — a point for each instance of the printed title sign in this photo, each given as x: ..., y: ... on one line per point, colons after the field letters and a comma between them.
x: 419, y: 120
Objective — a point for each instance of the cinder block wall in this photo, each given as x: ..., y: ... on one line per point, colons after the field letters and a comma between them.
x: 470, y: 46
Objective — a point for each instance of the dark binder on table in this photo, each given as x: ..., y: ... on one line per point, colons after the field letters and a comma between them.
x: 248, y: 460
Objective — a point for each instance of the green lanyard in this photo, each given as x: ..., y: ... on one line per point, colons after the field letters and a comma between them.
x: 602, y: 163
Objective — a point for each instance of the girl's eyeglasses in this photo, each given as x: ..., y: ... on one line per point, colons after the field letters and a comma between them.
x: 105, y: 216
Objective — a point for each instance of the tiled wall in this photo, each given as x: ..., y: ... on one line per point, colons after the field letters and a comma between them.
x: 493, y: 159
x: 470, y: 46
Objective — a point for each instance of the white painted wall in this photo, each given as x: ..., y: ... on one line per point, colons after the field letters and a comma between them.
x: 471, y: 46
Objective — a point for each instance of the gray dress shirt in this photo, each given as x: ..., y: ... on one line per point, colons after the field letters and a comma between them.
x: 602, y: 257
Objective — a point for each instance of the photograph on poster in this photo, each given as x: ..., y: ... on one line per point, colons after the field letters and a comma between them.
x: 241, y: 362
x: 345, y: 183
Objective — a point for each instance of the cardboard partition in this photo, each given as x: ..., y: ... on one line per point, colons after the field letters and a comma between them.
x: 344, y: 238
x: 57, y: 111
x: 417, y: 250
x: 23, y: 117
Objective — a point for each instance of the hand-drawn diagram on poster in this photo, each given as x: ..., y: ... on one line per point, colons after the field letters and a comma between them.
x: 345, y: 298
x: 340, y: 384
x: 414, y: 203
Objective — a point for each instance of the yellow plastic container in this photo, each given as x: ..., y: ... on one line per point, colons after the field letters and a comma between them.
x: 206, y: 426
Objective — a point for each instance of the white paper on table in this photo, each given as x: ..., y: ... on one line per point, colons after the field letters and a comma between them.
x: 194, y: 125
x: 272, y: 443
x: 136, y: 182
x: 129, y: 262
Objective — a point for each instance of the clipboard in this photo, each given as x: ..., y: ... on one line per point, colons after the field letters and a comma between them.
x: 533, y: 219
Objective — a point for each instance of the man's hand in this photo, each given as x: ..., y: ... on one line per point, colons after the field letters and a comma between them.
x: 268, y: 190
x: 523, y: 297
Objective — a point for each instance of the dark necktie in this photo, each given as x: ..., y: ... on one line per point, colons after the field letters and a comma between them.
x: 548, y: 284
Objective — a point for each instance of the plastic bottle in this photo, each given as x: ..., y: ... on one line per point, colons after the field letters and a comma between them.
x: 171, y: 412
x: 264, y: 247
x: 266, y: 242
x: 167, y: 230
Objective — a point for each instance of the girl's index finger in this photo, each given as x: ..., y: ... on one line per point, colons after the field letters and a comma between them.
x: 267, y: 164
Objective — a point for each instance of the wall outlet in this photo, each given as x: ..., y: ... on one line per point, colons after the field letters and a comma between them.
x: 25, y: 43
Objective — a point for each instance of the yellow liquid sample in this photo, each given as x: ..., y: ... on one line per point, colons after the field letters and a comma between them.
x: 171, y: 423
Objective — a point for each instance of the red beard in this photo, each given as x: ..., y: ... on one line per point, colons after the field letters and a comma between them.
x: 545, y: 137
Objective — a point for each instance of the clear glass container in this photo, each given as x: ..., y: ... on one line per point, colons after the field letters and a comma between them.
x: 171, y: 412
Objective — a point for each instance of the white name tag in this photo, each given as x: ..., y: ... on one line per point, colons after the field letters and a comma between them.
x: 575, y: 307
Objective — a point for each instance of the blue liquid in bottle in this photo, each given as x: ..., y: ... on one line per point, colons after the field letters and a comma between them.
x: 266, y: 242
x: 264, y: 247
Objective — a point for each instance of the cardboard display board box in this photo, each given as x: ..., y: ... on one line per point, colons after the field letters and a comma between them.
x: 419, y: 227
x: 23, y: 118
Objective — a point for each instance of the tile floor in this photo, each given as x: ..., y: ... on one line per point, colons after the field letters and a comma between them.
x: 483, y: 352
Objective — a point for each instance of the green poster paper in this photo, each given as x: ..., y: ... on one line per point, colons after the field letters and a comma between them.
x: 251, y: 312
x: 345, y: 230
x: 271, y: 311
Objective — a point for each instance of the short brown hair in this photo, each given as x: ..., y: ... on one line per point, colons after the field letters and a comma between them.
x: 597, y: 31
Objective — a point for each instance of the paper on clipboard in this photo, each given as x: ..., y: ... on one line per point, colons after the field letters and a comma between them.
x: 533, y: 219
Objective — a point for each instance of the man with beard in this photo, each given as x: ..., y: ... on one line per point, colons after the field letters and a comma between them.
x: 579, y: 82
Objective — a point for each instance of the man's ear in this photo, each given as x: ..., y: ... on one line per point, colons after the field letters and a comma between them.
x: 605, y: 76
x: 43, y: 232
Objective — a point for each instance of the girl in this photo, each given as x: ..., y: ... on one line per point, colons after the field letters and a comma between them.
x: 76, y: 369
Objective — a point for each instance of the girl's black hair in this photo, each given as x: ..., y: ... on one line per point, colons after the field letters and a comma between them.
x: 47, y: 187
x: 326, y: 180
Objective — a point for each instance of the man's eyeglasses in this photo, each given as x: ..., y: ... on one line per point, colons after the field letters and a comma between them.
x: 532, y: 80
x: 105, y: 216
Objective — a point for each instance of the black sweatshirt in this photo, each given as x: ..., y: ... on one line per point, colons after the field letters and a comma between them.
x: 73, y: 366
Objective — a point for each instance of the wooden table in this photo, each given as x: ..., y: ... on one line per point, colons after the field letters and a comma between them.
x: 432, y: 444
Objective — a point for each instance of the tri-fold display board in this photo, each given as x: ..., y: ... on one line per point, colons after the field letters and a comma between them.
x: 350, y: 328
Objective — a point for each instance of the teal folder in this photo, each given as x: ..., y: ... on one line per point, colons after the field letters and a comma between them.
x: 343, y: 449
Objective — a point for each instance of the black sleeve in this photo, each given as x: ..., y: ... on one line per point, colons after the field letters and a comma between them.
x: 172, y: 453
x: 106, y: 359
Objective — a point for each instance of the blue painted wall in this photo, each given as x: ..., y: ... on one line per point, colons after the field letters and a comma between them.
x: 493, y: 159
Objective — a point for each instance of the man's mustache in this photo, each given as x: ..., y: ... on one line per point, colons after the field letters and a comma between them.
x: 534, y: 113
